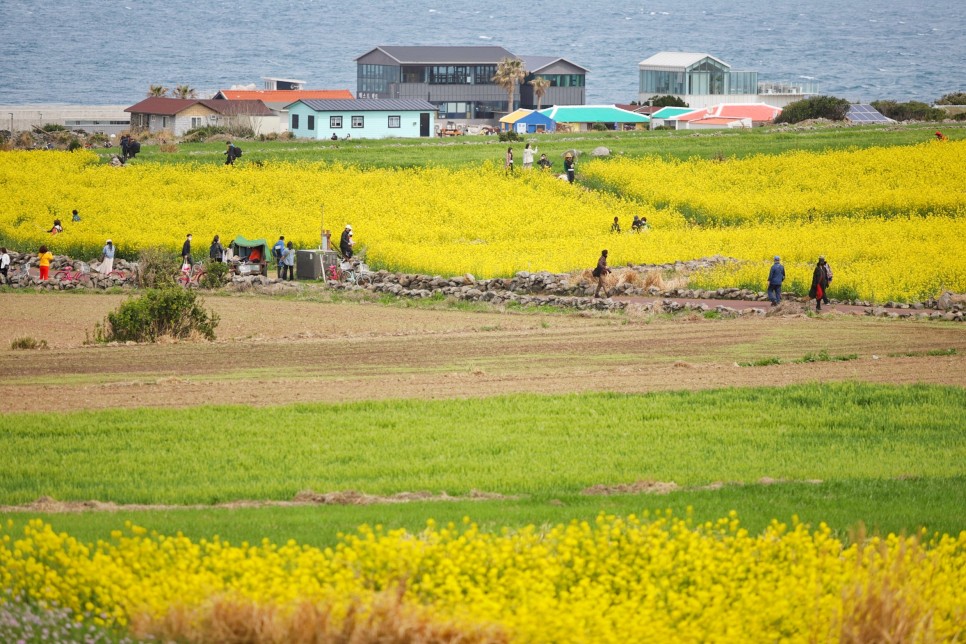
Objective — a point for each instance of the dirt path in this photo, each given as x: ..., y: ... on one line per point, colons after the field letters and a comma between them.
x: 275, y: 351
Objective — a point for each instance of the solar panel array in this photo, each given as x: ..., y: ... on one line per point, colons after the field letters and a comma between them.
x: 866, y: 114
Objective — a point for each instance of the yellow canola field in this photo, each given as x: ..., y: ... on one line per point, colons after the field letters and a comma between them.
x: 479, y: 220
x: 614, y: 580
x: 808, y: 188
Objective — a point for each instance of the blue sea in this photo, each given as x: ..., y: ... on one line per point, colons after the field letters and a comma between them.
x: 109, y: 51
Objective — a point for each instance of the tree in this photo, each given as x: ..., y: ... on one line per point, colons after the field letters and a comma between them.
x: 185, y: 91
x: 666, y: 101
x: 540, y: 85
x: 158, y: 90
x: 816, y: 107
x: 509, y: 74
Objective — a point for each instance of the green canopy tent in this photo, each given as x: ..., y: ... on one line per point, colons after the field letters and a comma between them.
x: 251, y: 253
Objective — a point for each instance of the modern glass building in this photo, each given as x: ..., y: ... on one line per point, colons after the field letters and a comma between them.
x: 458, y: 79
x: 701, y: 80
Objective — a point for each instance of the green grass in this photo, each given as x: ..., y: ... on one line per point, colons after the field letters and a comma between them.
x: 473, y: 150
x: 883, y: 505
x: 515, y: 445
x: 884, y: 455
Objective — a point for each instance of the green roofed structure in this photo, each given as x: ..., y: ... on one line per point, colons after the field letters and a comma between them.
x: 660, y: 117
x: 584, y: 117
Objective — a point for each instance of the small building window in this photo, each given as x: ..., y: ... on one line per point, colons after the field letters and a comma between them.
x: 335, y: 122
x: 311, y: 123
x: 295, y: 121
x: 394, y: 121
x: 196, y: 122
x: 358, y: 121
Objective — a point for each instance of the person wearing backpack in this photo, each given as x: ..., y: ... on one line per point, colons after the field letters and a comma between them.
x: 231, y: 153
x: 277, y: 251
x: 599, y: 272
x: 828, y: 278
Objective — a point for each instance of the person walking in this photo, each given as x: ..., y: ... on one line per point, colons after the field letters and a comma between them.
x: 599, y: 272
x: 288, y: 262
x: 4, y: 265
x: 186, y: 253
x: 775, y: 278
x: 570, y: 167
x: 277, y: 250
x: 345, y: 242
x: 107, y: 258
x: 44, y: 258
x: 216, y: 251
x: 528, y: 157
x: 230, y: 154
x: 828, y: 277
x: 819, y: 284
x: 509, y: 160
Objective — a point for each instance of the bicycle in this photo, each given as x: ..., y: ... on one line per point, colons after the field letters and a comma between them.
x: 191, y: 277
x: 70, y: 275
x: 355, y: 273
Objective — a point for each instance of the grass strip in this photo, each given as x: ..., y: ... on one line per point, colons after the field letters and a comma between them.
x: 514, y: 445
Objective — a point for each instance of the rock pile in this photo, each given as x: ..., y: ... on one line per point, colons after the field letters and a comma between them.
x: 25, y: 273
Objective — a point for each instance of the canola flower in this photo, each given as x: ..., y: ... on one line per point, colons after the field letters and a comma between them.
x: 897, y: 235
x: 616, y: 579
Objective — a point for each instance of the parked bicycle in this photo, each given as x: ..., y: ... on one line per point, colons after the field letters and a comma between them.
x: 69, y: 274
x: 191, y: 277
x: 351, y: 272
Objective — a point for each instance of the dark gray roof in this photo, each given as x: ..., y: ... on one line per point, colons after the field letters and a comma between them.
x: 430, y: 55
x: 536, y: 63
x: 369, y: 105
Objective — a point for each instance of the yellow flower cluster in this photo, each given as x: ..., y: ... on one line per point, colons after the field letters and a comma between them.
x: 614, y: 580
x: 890, y: 221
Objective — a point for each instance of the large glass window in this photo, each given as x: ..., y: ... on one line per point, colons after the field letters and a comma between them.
x: 562, y: 80
x: 375, y: 79
x: 662, y: 82
x: 414, y: 74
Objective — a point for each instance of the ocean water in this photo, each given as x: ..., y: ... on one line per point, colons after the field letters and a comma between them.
x: 109, y: 51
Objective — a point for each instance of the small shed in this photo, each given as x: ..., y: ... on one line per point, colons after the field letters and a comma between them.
x: 527, y: 122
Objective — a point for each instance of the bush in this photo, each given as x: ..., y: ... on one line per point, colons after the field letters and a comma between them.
x: 214, y: 275
x: 666, y: 101
x: 199, y: 134
x: 910, y: 111
x: 509, y: 136
x: 817, y: 107
x: 157, y: 268
x: 53, y: 127
x: 28, y: 344
x: 172, y: 311
x: 955, y: 98
x: 599, y: 127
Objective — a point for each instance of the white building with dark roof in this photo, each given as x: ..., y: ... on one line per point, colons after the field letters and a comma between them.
x: 361, y: 118
x: 701, y: 80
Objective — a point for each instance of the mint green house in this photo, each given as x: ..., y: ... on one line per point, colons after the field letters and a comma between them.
x: 361, y: 118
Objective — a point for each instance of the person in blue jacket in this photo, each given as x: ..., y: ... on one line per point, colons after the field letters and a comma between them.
x: 775, y: 278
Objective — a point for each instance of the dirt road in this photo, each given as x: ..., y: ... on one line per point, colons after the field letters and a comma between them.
x: 274, y: 351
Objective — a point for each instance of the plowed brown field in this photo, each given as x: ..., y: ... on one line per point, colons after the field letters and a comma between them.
x: 273, y: 350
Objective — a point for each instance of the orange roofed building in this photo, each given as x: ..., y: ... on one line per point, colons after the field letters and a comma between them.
x: 278, y: 100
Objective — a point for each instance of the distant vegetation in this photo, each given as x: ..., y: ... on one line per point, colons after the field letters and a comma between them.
x: 909, y: 111
x: 817, y: 107
x: 954, y: 98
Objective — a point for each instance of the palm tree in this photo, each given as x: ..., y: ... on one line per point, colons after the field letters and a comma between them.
x: 509, y: 73
x: 185, y: 91
x: 157, y: 90
x: 540, y: 85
